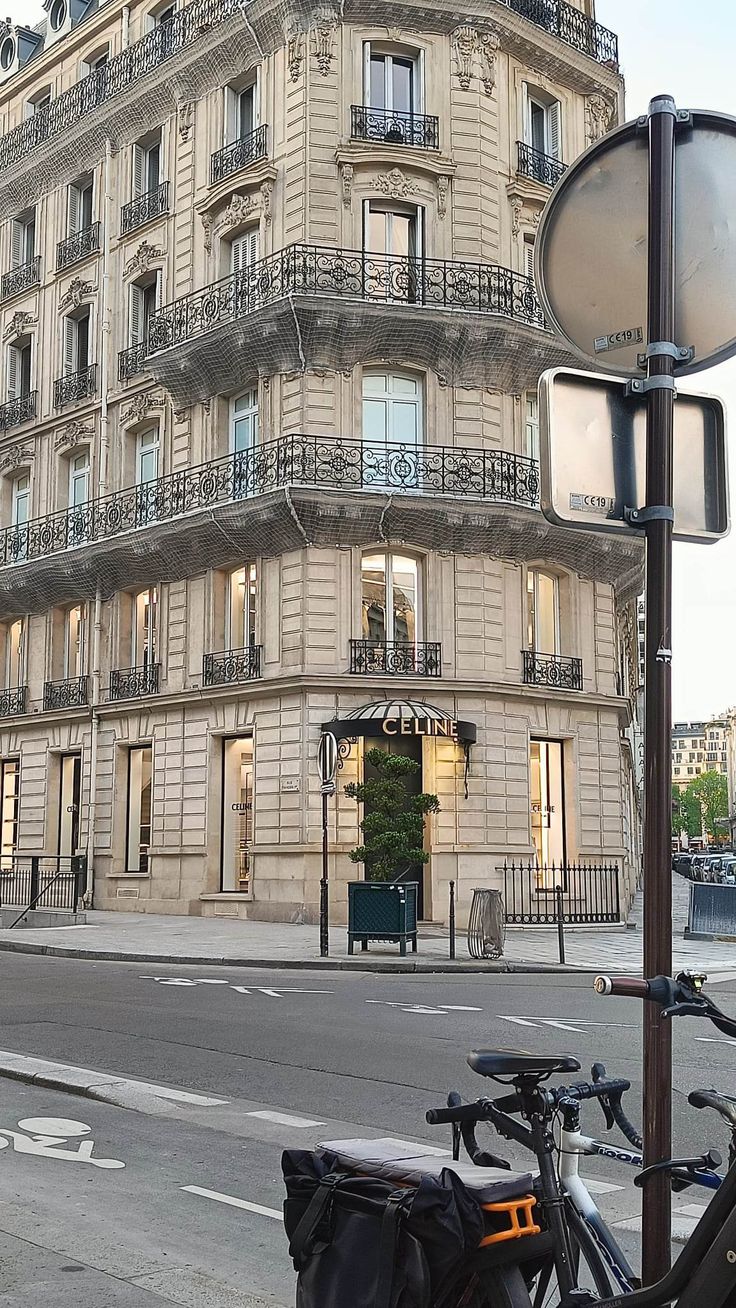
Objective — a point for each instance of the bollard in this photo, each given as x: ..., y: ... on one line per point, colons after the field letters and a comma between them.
x: 34, y: 893
x: 560, y: 913
x: 452, y: 919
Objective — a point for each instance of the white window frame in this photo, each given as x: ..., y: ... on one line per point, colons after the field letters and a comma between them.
x: 409, y: 211
x: 19, y: 253
x: 531, y: 425
x: 75, y: 647
x: 137, y: 322
x: 20, y: 501
x: 145, y: 627
x: 14, y: 374
x: 245, y: 637
x: 71, y: 362
x: 75, y: 203
x: 552, y: 110
x: 392, y: 401
x: 244, y: 250
x: 532, y: 618
x: 147, y: 442
x: 246, y: 414
x: 416, y: 57
x: 79, y: 476
x: 232, y: 114
x: 140, y: 772
x: 140, y: 182
x: 15, y: 654
x: 388, y: 557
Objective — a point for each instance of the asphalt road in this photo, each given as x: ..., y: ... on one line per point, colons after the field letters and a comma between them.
x: 333, y: 1054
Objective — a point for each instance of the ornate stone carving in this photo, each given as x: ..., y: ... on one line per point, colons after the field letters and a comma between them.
x: 185, y: 118
x: 323, y: 35
x: 75, y: 433
x: 266, y: 194
x: 488, y: 45
x: 16, y: 456
x: 140, y: 406
x: 517, y: 206
x: 443, y: 186
x: 346, y: 177
x: 598, y: 117
x: 536, y: 215
x: 295, y: 54
x: 77, y: 291
x: 18, y: 323
x: 180, y: 415
x: 463, y: 42
x: 395, y: 184
x: 6, y: 28
x: 141, y: 261
x: 239, y: 210
x: 207, y: 224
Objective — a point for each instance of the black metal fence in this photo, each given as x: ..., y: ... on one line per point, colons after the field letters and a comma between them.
x: 572, y: 26
x: 20, y: 409
x: 229, y: 666
x: 239, y: 154
x: 77, y: 246
x: 20, y: 279
x: 488, y: 474
x: 75, y: 386
x: 132, y: 683
x: 42, y: 880
x: 554, y: 670
x: 393, y: 128
x: 144, y: 208
x: 72, y: 692
x: 540, y: 167
x: 590, y: 893
x: 346, y: 274
x: 131, y: 362
x: 396, y: 658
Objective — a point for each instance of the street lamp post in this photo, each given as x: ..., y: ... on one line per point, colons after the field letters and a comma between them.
x: 326, y: 767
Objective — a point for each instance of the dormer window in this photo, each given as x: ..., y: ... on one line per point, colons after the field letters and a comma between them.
x: 57, y: 17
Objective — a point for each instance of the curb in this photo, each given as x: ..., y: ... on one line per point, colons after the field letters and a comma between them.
x: 289, y: 964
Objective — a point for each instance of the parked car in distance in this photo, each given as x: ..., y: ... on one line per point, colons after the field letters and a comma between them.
x: 682, y: 864
x: 727, y: 871
x: 697, y: 867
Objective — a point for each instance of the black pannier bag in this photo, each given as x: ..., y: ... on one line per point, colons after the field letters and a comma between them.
x: 365, y: 1242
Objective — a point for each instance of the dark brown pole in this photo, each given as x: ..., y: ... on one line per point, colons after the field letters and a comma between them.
x: 658, y: 688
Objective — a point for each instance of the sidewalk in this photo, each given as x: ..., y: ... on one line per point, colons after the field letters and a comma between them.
x: 153, y: 938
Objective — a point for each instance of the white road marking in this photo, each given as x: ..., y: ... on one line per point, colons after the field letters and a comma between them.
x: 45, y: 1135
x: 578, y: 1025
x: 179, y: 1096
x: 714, y: 1040
x: 282, y: 1119
x: 241, y: 990
x: 437, y: 1010
x: 601, y: 1187
x: 233, y: 1202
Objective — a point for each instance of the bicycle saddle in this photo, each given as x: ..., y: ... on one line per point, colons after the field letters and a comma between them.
x: 517, y: 1062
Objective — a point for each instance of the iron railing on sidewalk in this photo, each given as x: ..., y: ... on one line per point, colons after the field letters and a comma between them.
x: 590, y: 893
x: 32, y: 881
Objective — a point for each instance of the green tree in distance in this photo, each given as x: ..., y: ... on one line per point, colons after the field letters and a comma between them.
x: 686, y: 814
x: 393, y: 827
x: 710, y: 791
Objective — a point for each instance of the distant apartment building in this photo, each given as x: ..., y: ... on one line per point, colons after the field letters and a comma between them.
x: 699, y: 747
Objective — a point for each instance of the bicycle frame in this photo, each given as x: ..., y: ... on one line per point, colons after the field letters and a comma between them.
x: 572, y: 1146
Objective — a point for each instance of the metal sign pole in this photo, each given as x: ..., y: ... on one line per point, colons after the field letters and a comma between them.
x: 658, y: 680
x: 324, y: 886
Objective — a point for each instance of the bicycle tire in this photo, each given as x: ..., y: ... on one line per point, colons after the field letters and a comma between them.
x: 585, y: 1253
x: 499, y: 1287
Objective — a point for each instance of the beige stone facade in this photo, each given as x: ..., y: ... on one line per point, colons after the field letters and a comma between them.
x: 269, y: 447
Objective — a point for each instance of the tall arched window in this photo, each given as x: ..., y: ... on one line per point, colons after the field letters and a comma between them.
x: 392, y: 428
x: 542, y: 612
x: 391, y: 600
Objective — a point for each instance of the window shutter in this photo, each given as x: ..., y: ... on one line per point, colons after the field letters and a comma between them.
x: 12, y: 372
x: 529, y: 258
x: 526, y: 115
x: 70, y: 332
x: 136, y: 315
x: 251, y: 255
x: 18, y: 251
x: 231, y: 116
x: 554, y: 138
x: 139, y: 165
x: 74, y: 209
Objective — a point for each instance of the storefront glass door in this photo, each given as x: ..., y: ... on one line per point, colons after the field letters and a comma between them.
x: 237, y: 813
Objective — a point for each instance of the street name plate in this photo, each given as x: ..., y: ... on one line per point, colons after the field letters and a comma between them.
x: 593, y: 456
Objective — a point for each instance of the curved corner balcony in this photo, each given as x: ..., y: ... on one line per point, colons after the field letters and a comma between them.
x: 472, y: 323
x: 269, y: 499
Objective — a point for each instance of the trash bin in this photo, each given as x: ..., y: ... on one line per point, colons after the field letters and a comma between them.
x: 486, y: 924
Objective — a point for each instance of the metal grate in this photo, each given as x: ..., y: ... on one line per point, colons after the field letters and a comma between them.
x: 540, y: 167
x: 367, y: 124
x: 72, y: 692
x: 13, y: 702
x: 554, y: 670
x: 590, y: 893
x: 357, y: 274
x: 77, y: 246
x: 572, y: 26
x: 232, y: 665
x: 236, y: 156
x: 20, y: 279
x: 144, y: 208
x: 396, y: 658
x: 132, y: 683
x: 21, y: 409
x: 75, y: 386
x: 131, y: 362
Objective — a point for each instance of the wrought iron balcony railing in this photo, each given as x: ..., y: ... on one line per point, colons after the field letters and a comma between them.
x: 228, y: 666
x: 75, y: 386
x: 132, y: 683
x: 72, y: 692
x: 236, y: 156
x: 445, y: 470
x: 77, y: 246
x: 391, y: 128
x: 572, y: 26
x: 144, y: 208
x: 553, y: 670
x: 396, y: 658
x: 13, y: 701
x: 20, y: 279
x: 132, y: 362
x: 20, y: 409
x: 540, y: 167
x: 184, y: 29
x: 346, y: 274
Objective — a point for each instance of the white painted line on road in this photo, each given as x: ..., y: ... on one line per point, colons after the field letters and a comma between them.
x: 435, y: 1010
x: 179, y: 1096
x: 282, y: 1119
x: 578, y: 1025
x: 601, y: 1187
x: 234, y: 1203
x: 714, y: 1040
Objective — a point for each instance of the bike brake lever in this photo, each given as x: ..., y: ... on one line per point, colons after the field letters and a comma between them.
x: 693, y: 1008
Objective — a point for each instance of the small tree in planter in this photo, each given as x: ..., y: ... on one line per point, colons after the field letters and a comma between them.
x: 393, y: 832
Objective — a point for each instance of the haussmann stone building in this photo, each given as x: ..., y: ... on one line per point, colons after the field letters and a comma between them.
x: 269, y: 447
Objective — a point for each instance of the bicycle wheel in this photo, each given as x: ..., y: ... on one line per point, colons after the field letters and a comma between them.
x: 590, y: 1269
x: 499, y: 1287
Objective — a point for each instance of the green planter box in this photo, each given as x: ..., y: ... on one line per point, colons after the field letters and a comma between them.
x: 382, y: 910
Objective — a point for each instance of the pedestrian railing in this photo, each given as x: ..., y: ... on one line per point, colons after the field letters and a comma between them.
x: 589, y: 893
x: 31, y: 881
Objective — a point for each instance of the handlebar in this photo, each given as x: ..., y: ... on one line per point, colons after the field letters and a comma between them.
x: 678, y: 996
x: 630, y: 986
x: 461, y: 1113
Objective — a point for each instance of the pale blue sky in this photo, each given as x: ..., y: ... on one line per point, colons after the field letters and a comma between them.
x: 687, y: 50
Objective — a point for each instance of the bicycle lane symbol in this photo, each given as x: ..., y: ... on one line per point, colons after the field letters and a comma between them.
x: 45, y: 1137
